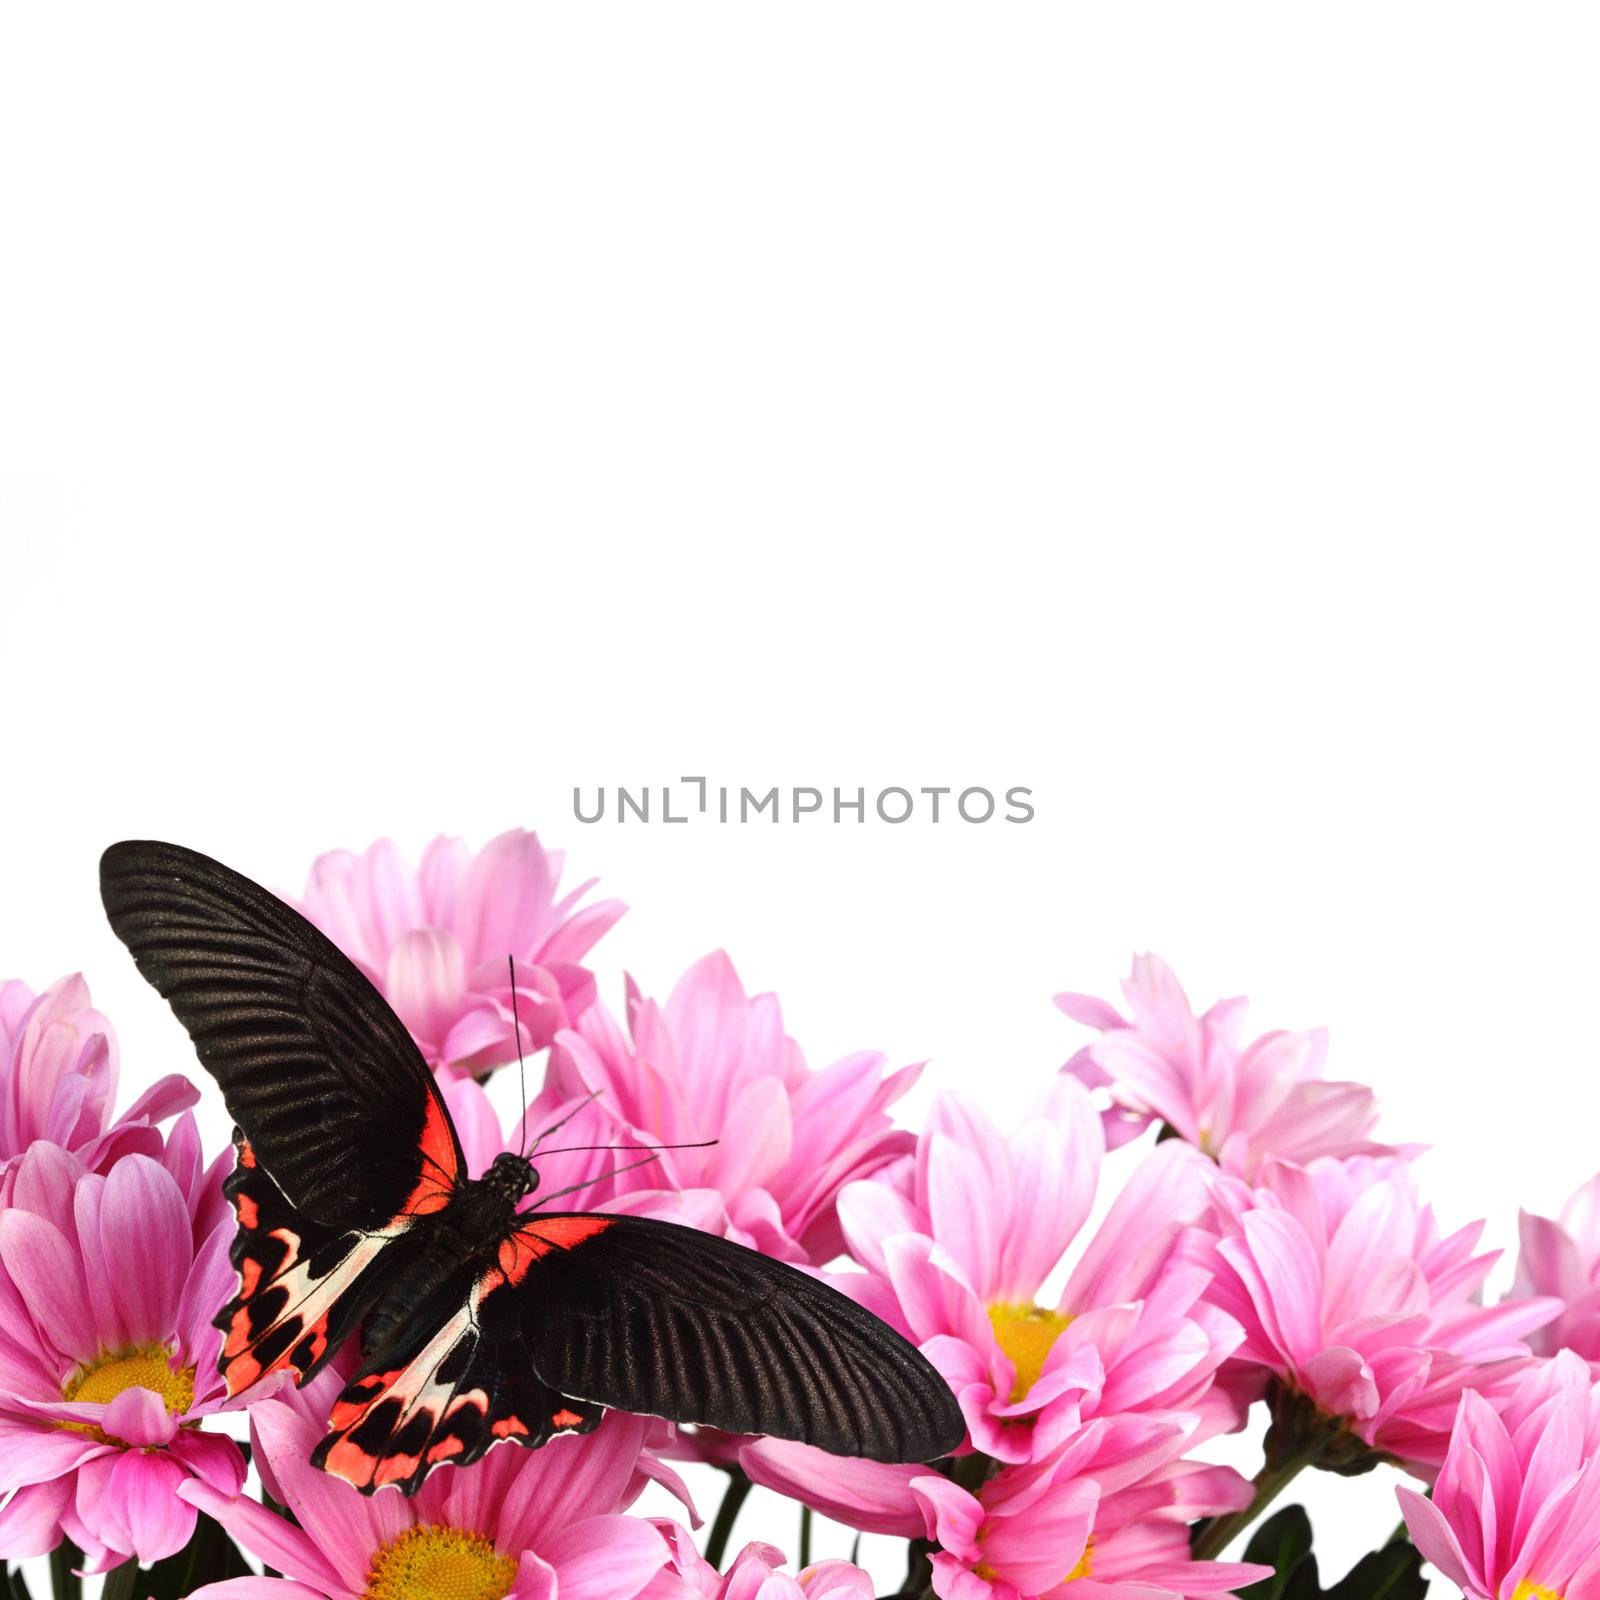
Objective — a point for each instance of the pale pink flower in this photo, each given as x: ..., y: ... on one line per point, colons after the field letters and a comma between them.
x: 754, y: 1574
x: 959, y: 1240
x: 435, y: 940
x: 1239, y: 1103
x: 1562, y: 1258
x: 58, y: 1079
x: 715, y: 1063
x: 1090, y: 1525
x: 1515, y: 1514
x: 532, y: 1524
x: 1352, y: 1298
x: 108, y: 1359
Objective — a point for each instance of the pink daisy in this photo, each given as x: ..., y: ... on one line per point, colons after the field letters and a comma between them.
x: 1095, y: 1524
x: 435, y: 940
x: 1515, y: 1514
x: 1239, y: 1103
x: 58, y: 1079
x: 715, y: 1063
x: 533, y: 1525
x: 754, y: 1574
x: 107, y: 1354
x: 959, y: 1240
x: 1562, y: 1258
x: 1350, y: 1296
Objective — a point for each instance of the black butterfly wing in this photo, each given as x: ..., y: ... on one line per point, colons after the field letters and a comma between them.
x: 652, y: 1317
x: 322, y: 1077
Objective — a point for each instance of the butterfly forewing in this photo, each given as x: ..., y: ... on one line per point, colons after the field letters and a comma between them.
x: 321, y: 1075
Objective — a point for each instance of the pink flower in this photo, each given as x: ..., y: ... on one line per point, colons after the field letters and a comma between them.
x: 1239, y: 1103
x: 715, y: 1063
x: 753, y: 1574
x: 530, y: 1524
x: 58, y: 1079
x: 435, y: 940
x: 1563, y: 1259
x: 108, y: 1360
x: 959, y: 1240
x: 1351, y: 1297
x: 1515, y: 1514
x: 1087, y: 1526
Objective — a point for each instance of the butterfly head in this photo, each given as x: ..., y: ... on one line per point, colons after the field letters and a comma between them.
x: 512, y: 1175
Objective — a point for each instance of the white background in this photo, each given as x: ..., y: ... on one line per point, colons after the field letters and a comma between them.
x: 1187, y: 412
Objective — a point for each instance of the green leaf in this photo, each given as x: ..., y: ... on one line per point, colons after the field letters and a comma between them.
x: 15, y: 1588
x: 1392, y: 1573
x: 207, y: 1558
x: 1283, y: 1542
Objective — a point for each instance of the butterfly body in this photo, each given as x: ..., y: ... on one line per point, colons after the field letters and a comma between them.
x: 478, y: 1319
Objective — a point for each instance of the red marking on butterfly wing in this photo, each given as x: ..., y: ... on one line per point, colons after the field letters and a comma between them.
x: 538, y: 1236
x: 440, y: 1168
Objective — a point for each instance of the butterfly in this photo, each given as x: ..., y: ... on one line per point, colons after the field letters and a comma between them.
x: 478, y: 1319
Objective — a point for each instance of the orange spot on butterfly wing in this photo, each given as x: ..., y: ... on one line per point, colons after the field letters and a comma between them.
x: 247, y: 1211
x: 247, y: 1156
x: 350, y: 1462
x: 510, y: 1428
x: 566, y: 1419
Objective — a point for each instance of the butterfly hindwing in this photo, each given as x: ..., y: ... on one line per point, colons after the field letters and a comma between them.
x: 648, y: 1316
x: 321, y: 1075
x: 302, y: 1284
x: 448, y: 1396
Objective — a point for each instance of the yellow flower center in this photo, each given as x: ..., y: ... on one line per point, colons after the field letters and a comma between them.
x: 1529, y: 1590
x: 1026, y: 1334
x: 147, y: 1366
x: 1082, y: 1569
x: 434, y: 1563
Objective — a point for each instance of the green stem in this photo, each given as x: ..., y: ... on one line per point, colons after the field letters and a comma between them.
x: 65, y: 1584
x: 1270, y: 1482
x: 122, y: 1583
x: 737, y: 1492
x: 805, y: 1537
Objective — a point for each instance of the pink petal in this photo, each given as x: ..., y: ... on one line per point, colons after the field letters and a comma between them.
x: 144, y: 1232
x: 30, y: 1524
x: 270, y: 1538
x: 144, y: 1485
x: 48, y: 1274
x: 605, y: 1558
x: 255, y: 1589
x: 139, y: 1416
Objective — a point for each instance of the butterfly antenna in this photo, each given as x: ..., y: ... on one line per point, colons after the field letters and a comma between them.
x: 522, y: 1070
x: 698, y: 1144
x: 560, y: 1122
x: 573, y: 1188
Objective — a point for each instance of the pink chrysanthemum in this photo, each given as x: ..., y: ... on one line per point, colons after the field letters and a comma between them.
x: 1562, y: 1258
x: 435, y: 940
x: 58, y: 1080
x: 715, y: 1063
x: 1351, y: 1297
x: 959, y: 1240
x: 533, y: 1525
x: 754, y: 1574
x: 1239, y: 1103
x: 1515, y: 1514
x: 108, y: 1360
x: 1095, y: 1524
